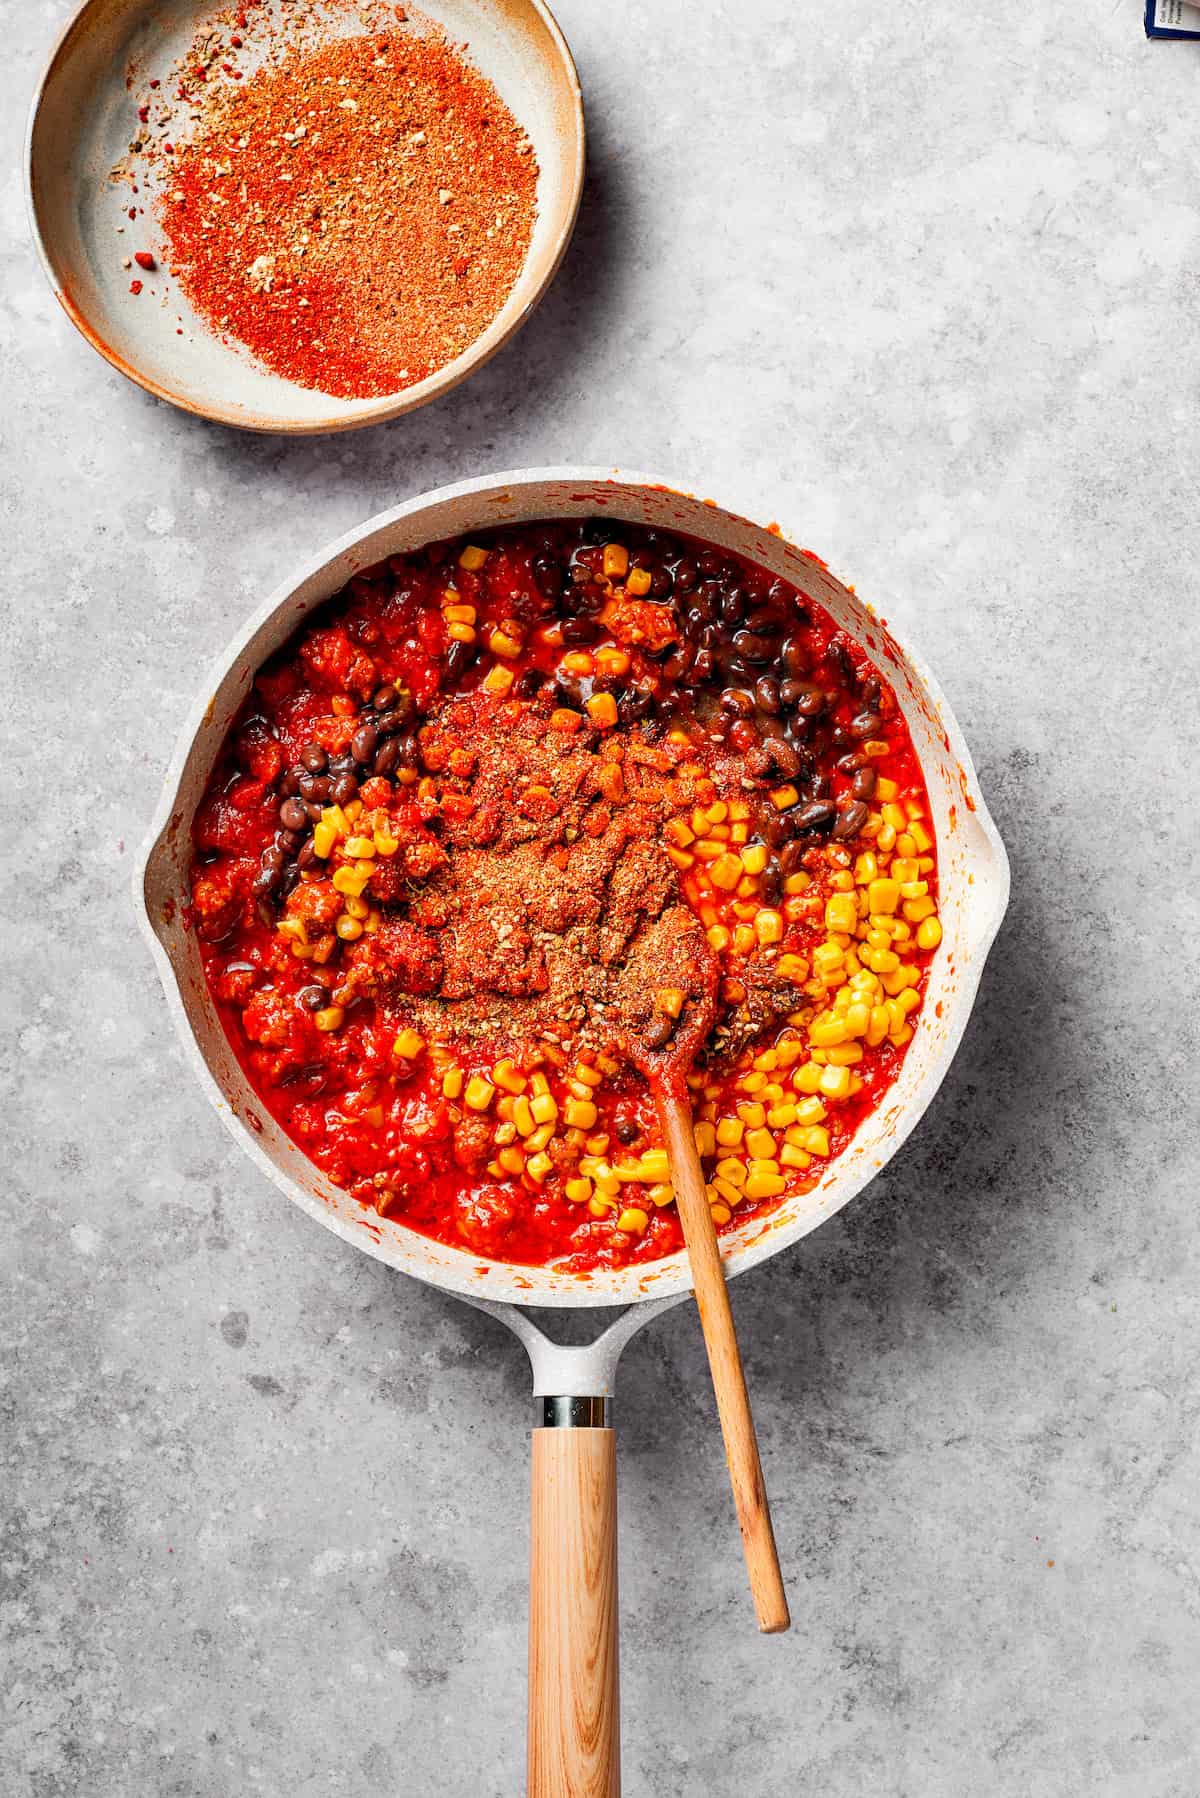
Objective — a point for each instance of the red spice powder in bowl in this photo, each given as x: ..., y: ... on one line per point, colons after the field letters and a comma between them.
x: 324, y: 214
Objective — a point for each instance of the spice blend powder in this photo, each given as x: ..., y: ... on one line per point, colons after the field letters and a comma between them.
x: 355, y: 214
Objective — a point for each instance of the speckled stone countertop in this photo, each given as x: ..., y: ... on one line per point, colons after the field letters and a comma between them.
x: 921, y: 284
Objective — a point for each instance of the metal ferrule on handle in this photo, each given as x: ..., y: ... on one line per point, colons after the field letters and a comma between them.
x: 592, y: 1411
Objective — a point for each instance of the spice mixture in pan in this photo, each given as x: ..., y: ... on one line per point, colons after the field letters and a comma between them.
x: 482, y: 822
x: 354, y: 210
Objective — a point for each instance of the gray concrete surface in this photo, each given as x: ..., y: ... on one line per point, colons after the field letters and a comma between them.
x: 921, y: 283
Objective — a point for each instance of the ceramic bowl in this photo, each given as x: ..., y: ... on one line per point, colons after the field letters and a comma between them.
x: 79, y: 129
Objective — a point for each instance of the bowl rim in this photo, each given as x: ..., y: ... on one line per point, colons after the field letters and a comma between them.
x: 512, y: 1282
x: 388, y: 406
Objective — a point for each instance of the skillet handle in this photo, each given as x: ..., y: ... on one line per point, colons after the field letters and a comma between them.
x: 574, y: 1716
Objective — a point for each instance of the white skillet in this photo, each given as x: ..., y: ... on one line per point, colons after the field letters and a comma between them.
x: 574, y: 1727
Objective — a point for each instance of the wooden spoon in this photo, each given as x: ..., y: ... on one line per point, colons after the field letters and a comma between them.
x: 665, y: 1069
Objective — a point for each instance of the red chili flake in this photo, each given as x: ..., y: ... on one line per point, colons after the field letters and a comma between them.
x: 155, y: 84
x: 170, y: 149
x: 331, y: 270
x: 143, y: 113
x: 236, y: 42
x: 144, y: 259
x: 135, y: 287
x: 133, y: 212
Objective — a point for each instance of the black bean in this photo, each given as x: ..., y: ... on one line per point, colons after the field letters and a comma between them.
x: 791, y: 857
x: 865, y: 724
x: 306, y: 855
x: 344, y: 789
x: 384, y: 699
x: 795, y: 656
x: 864, y: 783
x: 364, y: 743
x: 783, y: 757
x: 704, y: 666
x: 529, y: 683
x: 410, y: 750
x: 811, y: 702
x: 753, y: 647
x: 791, y: 691
x: 634, y: 705
x: 459, y: 658
x: 313, y: 810
x: 266, y: 915
x: 851, y: 821
x: 766, y: 692
x: 627, y: 1130
x: 731, y: 608
x: 709, y: 561
x: 316, y: 786
x: 548, y: 577
x: 658, y: 1032
x: 314, y: 758
x: 289, y: 782
x: 772, y: 882
x: 678, y: 665
x: 293, y: 815
x: 387, y: 756
x: 313, y: 998
x: 779, y: 828
x: 291, y: 839
x: 736, y: 699
x: 817, y: 811
x: 580, y: 630
x: 686, y: 576
x: 851, y: 763
x: 273, y: 857
x: 342, y: 764
x: 661, y: 583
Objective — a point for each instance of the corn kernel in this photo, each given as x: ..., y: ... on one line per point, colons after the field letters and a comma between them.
x: 768, y: 925
x: 544, y: 1107
x: 479, y: 1093
x: 669, y: 999
x: 452, y: 1083
x: 472, y: 558
x: 512, y: 1160
x: 523, y: 1117
x: 613, y: 661
x: 705, y: 1138
x: 579, y: 1114
x: 458, y: 632
x: 725, y: 872
x: 538, y: 1166
x: 841, y: 913
x: 808, y: 1078
x: 637, y: 581
x: 539, y: 1139
x: 350, y: 881
x: 578, y: 1191
x: 602, y: 709
x: 765, y: 1186
x: 498, y: 680
x: 816, y: 1140
x: 835, y: 1082
x: 324, y: 838
x: 782, y: 798
x: 663, y: 1193
x: 760, y: 1144
x: 929, y: 933
x: 332, y: 1017
x: 633, y: 1219
x: 616, y: 560
x: 730, y: 1132
x: 791, y: 1156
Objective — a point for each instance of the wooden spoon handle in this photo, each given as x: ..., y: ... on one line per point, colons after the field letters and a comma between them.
x: 724, y: 1361
x: 574, y: 1719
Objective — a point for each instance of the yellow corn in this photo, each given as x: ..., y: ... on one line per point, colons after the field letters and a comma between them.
x: 929, y: 933
x: 506, y: 1074
x: 479, y: 1093
x: 616, y: 560
x: 350, y: 881
x: 579, y: 1114
x: 331, y: 1018
x: 835, y: 1082
x: 633, y: 1219
x: 324, y: 838
x: 578, y: 1191
x: 765, y: 1186
x: 602, y: 709
x: 637, y: 581
x: 472, y: 558
x: 760, y: 1144
x: 498, y: 680
x: 539, y: 1139
x: 841, y: 913
x: 725, y: 872
x: 782, y: 798
x: 538, y: 1166
x: 452, y: 1083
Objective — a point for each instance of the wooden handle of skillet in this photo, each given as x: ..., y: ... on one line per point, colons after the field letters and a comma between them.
x: 725, y: 1363
x: 574, y: 1719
